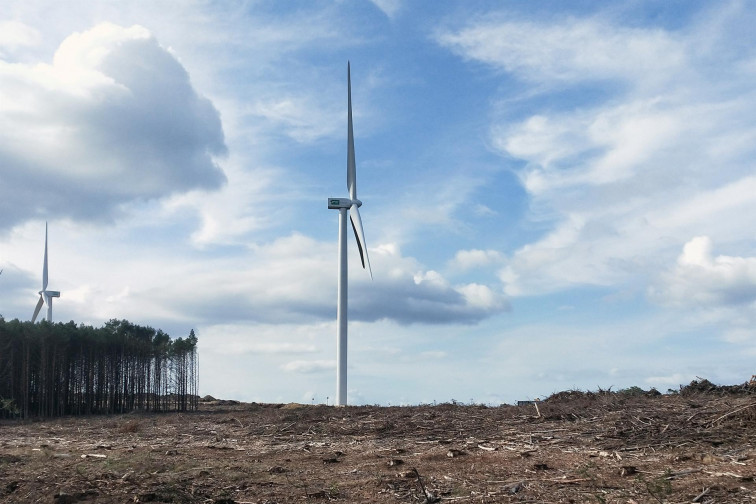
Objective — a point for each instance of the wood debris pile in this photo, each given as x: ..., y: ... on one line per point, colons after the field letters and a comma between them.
x: 692, y: 446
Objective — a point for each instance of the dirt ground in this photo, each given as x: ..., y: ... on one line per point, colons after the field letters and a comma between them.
x: 695, y: 446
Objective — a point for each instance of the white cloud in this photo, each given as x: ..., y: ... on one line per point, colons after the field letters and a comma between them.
x: 740, y: 335
x: 572, y: 50
x: 433, y: 354
x: 475, y: 258
x: 388, y: 7
x: 484, y: 298
x: 303, y: 119
x: 303, y: 366
x: 15, y: 34
x: 484, y: 211
x: 718, y: 209
x: 275, y: 348
x: 406, y: 292
x: 424, y: 209
x: 247, y: 204
x: 114, y: 118
x: 672, y: 380
x: 701, y: 279
x: 697, y: 252
x: 431, y: 279
x: 576, y: 252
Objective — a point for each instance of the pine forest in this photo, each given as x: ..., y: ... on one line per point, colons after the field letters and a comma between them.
x: 49, y: 370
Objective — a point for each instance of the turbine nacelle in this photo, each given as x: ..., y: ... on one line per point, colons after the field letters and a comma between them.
x: 336, y: 203
x: 353, y: 205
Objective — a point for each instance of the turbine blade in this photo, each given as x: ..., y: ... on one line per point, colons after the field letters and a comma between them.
x: 351, y: 164
x: 44, y: 267
x: 359, y: 234
x: 39, y: 307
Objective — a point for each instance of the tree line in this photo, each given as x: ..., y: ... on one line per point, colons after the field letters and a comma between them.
x: 55, y: 369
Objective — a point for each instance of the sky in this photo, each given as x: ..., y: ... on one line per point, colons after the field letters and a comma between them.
x: 556, y: 195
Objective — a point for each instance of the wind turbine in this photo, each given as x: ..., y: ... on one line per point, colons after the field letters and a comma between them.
x: 45, y: 296
x: 342, y: 205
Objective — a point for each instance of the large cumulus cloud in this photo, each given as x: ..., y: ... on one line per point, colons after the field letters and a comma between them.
x: 114, y: 118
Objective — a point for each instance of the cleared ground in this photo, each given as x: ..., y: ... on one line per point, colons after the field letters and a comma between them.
x: 696, y: 446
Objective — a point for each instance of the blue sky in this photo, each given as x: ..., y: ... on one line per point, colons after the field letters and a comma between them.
x: 556, y: 194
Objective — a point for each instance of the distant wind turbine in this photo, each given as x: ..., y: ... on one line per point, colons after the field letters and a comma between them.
x: 342, y: 204
x: 45, y: 296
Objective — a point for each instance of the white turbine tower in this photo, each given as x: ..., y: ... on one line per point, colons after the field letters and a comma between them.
x: 342, y: 205
x: 45, y: 296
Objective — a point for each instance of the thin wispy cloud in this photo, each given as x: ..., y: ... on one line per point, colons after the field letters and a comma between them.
x: 605, y: 170
x: 389, y: 7
x: 571, y: 50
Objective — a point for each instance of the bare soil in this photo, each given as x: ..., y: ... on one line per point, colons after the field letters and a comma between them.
x: 695, y: 446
